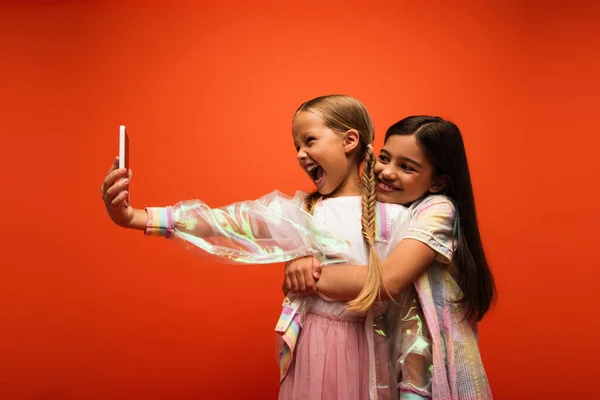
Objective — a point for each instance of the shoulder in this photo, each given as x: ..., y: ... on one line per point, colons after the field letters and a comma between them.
x: 300, y: 195
x: 345, y: 203
x: 281, y: 203
x: 391, y: 209
x: 434, y: 205
x: 392, y: 214
x: 278, y: 197
x: 433, y: 223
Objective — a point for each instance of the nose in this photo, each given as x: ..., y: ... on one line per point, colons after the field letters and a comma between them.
x: 388, y: 173
x: 301, y: 155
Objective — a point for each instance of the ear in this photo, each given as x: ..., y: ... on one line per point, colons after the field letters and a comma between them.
x: 439, y: 184
x: 351, y: 140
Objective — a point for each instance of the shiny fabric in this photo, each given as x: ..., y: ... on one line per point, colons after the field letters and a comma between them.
x: 275, y: 229
x: 457, y: 371
x: 411, y: 356
x: 269, y: 230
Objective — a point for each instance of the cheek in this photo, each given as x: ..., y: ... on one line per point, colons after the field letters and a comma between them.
x: 410, y: 181
x: 336, y: 154
x: 377, y: 168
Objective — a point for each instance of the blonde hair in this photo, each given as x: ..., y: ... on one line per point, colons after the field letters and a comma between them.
x: 340, y: 114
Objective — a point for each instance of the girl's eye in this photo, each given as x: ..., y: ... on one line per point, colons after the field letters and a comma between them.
x: 407, y: 167
x: 382, y: 158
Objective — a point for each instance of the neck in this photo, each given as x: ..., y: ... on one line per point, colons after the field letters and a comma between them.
x: 349, y: 187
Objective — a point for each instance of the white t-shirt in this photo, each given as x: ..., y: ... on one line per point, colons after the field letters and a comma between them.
x: 343, y: 216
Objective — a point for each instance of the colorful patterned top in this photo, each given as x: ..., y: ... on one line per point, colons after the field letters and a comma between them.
x: 458, y: 372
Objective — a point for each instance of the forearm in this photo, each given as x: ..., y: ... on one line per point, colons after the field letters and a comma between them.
x: 342, y: 282
x: 409, y: 260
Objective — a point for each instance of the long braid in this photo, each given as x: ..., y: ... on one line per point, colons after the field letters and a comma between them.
x: 310, y: 201
x: 369, y: 198
x: 341, y: 114
x: 370, y: 291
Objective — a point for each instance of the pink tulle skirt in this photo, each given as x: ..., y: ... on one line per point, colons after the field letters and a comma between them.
x: 332, y: 361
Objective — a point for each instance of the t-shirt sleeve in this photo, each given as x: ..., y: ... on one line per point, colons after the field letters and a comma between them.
x: 432, y: 222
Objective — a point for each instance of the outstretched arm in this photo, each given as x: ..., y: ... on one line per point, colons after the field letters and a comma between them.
x: 268, y: 230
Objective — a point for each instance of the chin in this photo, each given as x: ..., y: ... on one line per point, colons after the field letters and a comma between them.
x: 387, y: 197
x: 382, y: 194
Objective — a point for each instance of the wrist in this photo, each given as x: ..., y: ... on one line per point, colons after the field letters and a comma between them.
x: 123, y: 223
x: 138, y: 221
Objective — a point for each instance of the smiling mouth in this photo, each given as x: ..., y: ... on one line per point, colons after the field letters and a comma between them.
x: 386, y: 188
x: 315, y: 172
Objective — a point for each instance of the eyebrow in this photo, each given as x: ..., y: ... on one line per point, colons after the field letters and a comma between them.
x: 410, y: 160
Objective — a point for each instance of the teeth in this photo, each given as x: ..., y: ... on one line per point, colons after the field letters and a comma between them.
x: 313, y: 171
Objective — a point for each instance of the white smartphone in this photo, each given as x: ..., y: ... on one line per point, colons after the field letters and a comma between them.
x: 123, y: 148
x: 124, y: 152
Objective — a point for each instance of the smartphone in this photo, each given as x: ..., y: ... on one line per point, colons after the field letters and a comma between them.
x: 124, y: 152
x: 123, y: 148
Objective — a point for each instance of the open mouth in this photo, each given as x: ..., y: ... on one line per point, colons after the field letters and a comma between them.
x: 315, y: 172
x: 386, y: 188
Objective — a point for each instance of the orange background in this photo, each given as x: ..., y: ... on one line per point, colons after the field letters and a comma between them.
x: 207, y: 91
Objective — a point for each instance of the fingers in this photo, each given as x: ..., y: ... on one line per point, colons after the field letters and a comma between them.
x: 114, y: 165
x: 114, y: 173
x: 295, y: 286
x: 301, y: 280
x: 311, y: 287
x: 115, y: 190
x: 316, y: 271
x: 290, y: 277
x: 121, y: 201
x: 113, y: 177
x: 299, y: 275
